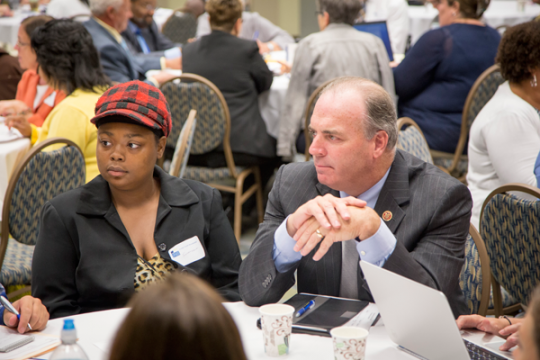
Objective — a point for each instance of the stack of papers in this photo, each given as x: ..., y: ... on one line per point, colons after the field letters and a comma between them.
x: 41, y: 344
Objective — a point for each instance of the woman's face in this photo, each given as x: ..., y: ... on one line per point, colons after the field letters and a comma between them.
x: 27, y: 56
x: 447, y: 13
x: 126, y: 154
x: 527, y: 348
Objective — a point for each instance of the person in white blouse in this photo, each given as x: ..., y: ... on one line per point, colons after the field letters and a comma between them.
x: 61, y: 9
x: 395, y: 13
x: 505, y: 136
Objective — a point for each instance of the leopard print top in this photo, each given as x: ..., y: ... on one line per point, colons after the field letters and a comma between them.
x: 151, y: 271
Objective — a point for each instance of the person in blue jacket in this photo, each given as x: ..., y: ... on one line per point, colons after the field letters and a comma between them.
x: 32, y: 312
x: 434, y: 79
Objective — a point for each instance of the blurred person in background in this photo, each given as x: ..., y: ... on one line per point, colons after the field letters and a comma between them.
x: 109, y: 19
x: 10, y: 75
x: 269, y: 37
x: 181, y: 318
x: 505, y: 136
x: 34, y: 99
x: 434, y: 79
x: 396, y: 15
x: 68, y: 61
x: 60, y: 9
x: 337, y: 50
x: 142, y: 34
x: 235, y: 66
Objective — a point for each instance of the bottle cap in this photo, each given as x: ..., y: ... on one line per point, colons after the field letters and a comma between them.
x: 68, y: 324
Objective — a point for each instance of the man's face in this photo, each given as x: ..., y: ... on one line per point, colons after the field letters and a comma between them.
x: 143, y: 12
x: 121, y: 16
x: 341, y: 153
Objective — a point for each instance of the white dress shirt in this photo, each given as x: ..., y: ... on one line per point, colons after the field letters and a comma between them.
x: 375, y: 249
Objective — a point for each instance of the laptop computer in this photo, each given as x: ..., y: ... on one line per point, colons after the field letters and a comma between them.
x: 419, y: 320
x: 380, y: 30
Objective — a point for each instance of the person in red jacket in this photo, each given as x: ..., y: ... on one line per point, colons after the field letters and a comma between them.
x: 34, y: 98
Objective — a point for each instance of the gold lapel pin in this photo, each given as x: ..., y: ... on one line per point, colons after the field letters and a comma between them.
x: 387, y: 215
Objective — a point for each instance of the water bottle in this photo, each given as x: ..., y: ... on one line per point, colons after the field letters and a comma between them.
x: 69, y: 349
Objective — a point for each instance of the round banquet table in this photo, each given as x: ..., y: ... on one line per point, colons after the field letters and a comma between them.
x: 271, y: 103
x: 11, y: 153
x: 9, y: 26
x: 96, y: 332
x: 498, y: 13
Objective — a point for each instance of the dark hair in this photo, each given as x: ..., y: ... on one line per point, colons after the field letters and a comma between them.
x: 179, y: 318
x: 223, y: 13
x: 519, y: 51
x: 33, y: 22
x: 471, y: 9
x: 341, y: 11
x: 67, y: 55
x: 534, y: 309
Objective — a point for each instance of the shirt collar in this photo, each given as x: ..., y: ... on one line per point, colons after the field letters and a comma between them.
x: 134, y: 28
x: 115, y: 34
x: 95, y: 198
x: 371, y: 195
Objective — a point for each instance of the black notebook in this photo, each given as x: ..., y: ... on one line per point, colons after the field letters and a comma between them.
x: 327, y: 313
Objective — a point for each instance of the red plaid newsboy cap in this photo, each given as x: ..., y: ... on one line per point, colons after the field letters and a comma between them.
x: 136, y: 100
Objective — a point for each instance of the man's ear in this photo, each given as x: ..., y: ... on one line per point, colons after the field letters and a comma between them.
x: 380, y: 141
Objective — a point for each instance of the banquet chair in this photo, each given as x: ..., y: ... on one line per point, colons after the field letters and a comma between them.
x: 481, y: 92
x: 412, y: 140
x: 183, y: 146
x: 308, y: 112
x: 510, y: 226
x: 190, y: 91
x: 39, y: 177
x: 180, y: 27
x: 475, y: 277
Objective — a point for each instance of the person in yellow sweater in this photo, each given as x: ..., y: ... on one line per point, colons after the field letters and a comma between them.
x: 68, y: 61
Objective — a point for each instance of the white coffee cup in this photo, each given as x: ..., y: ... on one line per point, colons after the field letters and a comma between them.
x: 349, y: 343
x: 276, y: 325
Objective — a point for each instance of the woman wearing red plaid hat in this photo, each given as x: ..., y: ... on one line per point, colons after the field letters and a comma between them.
x: 68, y: 61
x: 134, y: 224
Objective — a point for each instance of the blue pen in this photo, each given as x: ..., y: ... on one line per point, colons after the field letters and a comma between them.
x: 305, y: 308
x: 11, y: 309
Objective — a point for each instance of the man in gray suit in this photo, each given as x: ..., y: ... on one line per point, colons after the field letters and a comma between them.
x: 359, y: 198
x: 109, y: 19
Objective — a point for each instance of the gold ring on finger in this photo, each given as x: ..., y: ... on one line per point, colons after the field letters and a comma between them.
x: 319, y: 234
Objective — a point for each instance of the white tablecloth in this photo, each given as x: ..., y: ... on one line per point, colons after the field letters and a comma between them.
x: 498, y: 13
x: 11, y: 153
x: 271, y: 103
x: 96, y: 332
x: 9, y: 27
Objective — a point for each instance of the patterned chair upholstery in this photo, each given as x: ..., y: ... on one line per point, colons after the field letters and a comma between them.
x: 510, y: 226
x: 412, y: 140
x: 39, y: 177
x: 481, y: 92
x: 180, y: 27
x: 189, y: 92
x: 183, y: 146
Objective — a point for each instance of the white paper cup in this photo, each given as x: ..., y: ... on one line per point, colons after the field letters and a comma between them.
x: 276, y: 324
x: 349, y: 343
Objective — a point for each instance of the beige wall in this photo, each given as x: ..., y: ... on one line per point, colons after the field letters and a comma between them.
x: 284, y: 13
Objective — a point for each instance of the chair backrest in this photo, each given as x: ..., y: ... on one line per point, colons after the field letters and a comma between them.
x: 183, y: 146
x: 510, y: 226
x: 39, y: 177
x: 190, y: 91
x: 180, y: 27
x: 481, y: 92
x: 475, y: 277
x: 412, y: 140
x: 308, y: 112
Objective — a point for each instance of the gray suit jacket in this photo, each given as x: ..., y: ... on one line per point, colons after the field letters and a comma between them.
x: 339, y: 50
x: 431, y: 214
x: 119, y: 64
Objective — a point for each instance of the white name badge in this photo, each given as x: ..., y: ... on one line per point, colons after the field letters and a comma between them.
x: 188, y: 251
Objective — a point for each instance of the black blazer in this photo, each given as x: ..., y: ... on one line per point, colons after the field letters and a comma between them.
x: 431, y: 217
x: 235, y: 66
x: 85, y: 261
x: 156, y: 41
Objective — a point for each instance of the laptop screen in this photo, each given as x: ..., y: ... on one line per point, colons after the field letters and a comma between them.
x: 380, y: 30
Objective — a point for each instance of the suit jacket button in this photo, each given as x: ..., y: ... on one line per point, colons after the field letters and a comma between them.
x: 162, y: 247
